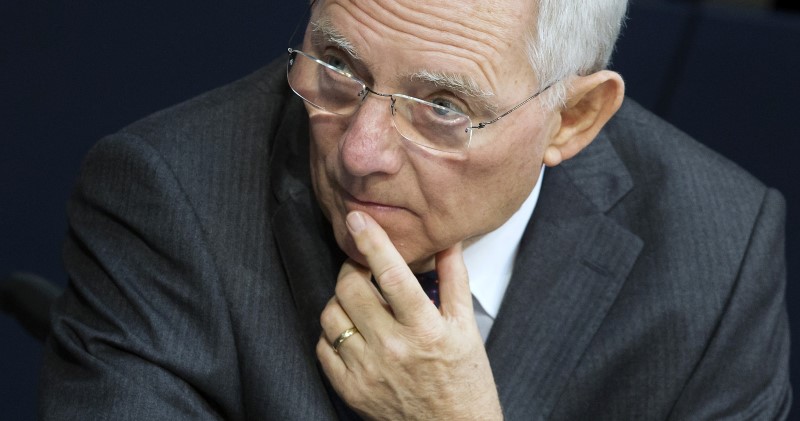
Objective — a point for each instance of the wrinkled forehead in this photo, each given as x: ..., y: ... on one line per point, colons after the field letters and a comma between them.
x: 479, y: 37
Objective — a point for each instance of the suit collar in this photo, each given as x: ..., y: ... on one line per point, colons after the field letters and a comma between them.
x: 599, y: 174
x: 572, y: 262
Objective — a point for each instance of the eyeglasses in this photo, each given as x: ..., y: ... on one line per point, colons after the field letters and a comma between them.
x: 439, y: 126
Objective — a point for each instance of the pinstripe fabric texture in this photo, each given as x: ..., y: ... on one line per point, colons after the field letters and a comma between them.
x: 649, y: 284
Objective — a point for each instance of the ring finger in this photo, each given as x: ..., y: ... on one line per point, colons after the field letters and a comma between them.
x: 341, y: 333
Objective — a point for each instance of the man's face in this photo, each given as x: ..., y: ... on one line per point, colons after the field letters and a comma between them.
x: 426, y: 200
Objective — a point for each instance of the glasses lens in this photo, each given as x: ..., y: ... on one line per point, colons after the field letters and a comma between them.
x: 335, y: 91
x: 322, y: 85
x: 431, y: 125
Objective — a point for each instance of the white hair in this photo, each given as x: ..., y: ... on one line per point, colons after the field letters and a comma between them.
x: 572, y: 37
x: 569, y: 38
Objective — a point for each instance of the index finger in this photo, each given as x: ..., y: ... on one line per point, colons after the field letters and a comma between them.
x: 399, y: 286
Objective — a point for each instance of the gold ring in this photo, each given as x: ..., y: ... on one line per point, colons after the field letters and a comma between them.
x: 343, y: 337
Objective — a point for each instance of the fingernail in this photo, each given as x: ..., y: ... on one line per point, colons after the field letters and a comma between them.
x: 355, y: 221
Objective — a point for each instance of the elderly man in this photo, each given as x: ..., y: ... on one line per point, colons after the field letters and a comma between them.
x: 433, y: 211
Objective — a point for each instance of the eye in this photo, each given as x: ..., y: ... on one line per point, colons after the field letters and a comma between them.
x: 337, y: 63
x: 448, y: 107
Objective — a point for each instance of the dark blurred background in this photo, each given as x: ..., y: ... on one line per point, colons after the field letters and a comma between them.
x: 725, y: 71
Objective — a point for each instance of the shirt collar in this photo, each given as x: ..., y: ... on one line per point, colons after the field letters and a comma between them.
x: 490, y: 259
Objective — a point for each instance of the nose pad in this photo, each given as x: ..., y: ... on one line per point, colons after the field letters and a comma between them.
x: 370, y: 144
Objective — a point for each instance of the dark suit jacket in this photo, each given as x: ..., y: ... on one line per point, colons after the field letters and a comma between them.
x: 649, y: 283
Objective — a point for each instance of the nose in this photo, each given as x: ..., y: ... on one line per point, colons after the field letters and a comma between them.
x: 370, y: 144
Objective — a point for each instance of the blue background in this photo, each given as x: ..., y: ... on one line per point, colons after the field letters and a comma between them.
x: 71, y: 72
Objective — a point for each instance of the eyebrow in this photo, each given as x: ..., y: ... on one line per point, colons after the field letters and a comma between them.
x: 324, y: 32
x: 460, y: 83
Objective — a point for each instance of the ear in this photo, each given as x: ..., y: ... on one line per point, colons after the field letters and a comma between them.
x: 591, y: 101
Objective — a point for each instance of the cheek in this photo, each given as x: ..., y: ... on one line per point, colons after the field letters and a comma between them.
x: 323, y: 149
x: 323, y: 153
x: 325, y: 132
x: 499, y: 177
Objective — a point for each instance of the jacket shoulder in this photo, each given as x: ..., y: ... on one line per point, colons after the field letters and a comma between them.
x: 663, y: 159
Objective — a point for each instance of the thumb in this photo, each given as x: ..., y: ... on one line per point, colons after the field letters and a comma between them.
x: 454, y: 293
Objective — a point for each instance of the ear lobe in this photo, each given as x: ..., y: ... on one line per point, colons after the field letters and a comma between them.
x: 591, y: 101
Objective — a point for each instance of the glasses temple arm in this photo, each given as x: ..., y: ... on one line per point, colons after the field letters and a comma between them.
x: 486, y: 123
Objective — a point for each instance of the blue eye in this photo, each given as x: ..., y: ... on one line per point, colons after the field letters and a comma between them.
x: 337, y: 63
x: 448, y: 107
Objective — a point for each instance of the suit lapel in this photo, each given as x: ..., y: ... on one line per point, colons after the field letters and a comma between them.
x: 572, y: 261
x: 311, y: 263
x: 309, y: 254
x: 304, y: 238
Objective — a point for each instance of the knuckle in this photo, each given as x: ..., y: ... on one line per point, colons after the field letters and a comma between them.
x: 321, y: 348
x: 395, y: 350
x: 429, y: 335
x: 351, y: 294
x: 369, y: 369
x: 393, y: 275
x: 372, y: 375
x: 328, y: 315
x: 345, y: 285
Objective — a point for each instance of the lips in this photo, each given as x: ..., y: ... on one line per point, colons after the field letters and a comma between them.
x: 353, y: 203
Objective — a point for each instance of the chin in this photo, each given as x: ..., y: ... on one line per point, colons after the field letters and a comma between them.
x: 418, y: 264
x: 348, y: 246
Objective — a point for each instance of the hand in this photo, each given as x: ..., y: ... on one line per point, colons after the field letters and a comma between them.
x: 409, y: 360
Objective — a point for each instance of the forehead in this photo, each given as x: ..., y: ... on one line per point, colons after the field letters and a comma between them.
x: 481, y: 39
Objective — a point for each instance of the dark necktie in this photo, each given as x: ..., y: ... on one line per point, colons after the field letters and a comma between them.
x: 430, y: 284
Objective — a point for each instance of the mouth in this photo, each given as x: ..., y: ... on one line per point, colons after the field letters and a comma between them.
x: 353, y: 203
